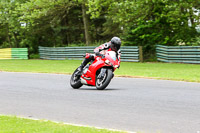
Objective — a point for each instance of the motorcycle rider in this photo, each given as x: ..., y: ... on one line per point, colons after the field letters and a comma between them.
x: 113, y: 45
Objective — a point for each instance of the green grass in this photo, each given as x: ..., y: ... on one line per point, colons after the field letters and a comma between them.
x: 169, y: 71
x: 12, y: 124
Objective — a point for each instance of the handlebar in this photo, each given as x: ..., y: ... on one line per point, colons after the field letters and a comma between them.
x: 98, y: 54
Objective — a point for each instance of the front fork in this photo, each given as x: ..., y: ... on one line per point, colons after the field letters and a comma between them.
x: 102, y: 73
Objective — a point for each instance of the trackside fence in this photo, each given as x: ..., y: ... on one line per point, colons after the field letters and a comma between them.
x: 178, y: 54
x: 129, y: 53
x: 14, y: 53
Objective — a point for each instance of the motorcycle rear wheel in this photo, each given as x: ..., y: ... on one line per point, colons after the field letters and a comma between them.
x: 75, y: 81
x: 101, y: 84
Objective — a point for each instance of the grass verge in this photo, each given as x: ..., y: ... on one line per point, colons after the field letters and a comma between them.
x: 13, y: 124
x: 169, y: 71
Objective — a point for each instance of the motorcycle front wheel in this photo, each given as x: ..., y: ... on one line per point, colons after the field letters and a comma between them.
x: 75, y: 81
x: 102, y: 83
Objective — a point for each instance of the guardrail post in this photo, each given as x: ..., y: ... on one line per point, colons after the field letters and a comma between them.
x: 140, y: 54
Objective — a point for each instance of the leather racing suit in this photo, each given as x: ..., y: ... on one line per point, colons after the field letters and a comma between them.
x: 99, y: 50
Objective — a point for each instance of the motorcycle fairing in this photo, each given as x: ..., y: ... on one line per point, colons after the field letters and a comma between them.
x: 91, y: 72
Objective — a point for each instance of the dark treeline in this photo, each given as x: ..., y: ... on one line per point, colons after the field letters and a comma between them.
x: 58, y: 23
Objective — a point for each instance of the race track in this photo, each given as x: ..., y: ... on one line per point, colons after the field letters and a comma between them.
x: 132, y: 104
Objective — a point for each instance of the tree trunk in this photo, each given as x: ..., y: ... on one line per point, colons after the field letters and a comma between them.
x: 86, y: 25
x: 16, y: 41
x: 8, y: 37
x: 191, y: 17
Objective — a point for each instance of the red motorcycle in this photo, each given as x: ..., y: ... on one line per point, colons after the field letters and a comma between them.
x: 98, y: 72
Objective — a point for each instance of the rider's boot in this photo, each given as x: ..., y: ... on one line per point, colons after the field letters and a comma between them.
x: 83, y: 64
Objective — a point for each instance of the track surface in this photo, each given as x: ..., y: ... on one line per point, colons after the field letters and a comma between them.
x: 132, y: 104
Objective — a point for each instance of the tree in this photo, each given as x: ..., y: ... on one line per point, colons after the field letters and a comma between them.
x: 64, y: 22
x: 10, y: 23
x: 151, y: 22
x: 59, y: 13
x: 86, y: 22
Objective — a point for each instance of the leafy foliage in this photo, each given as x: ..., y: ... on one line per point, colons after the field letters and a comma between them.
x: 151, y: 22
x: 29, y: 23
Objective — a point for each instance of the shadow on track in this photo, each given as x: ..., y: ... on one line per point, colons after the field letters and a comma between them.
x: 94, y: 89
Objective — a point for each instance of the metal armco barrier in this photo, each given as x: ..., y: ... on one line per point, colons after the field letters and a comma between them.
x: 14, y: 53
x: 129, y: 53
x: 178, y: 54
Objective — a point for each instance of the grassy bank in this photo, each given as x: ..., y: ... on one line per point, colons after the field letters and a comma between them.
x: 12, y: 124
x: 180, y: 72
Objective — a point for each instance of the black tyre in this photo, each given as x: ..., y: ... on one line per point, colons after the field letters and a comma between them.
x: 75, y: 81
x: 101, y: 84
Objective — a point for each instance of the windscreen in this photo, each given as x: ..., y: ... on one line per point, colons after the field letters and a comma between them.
x: 112, y: 54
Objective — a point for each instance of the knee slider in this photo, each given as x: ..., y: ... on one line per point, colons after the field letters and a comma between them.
x: 87, y: 56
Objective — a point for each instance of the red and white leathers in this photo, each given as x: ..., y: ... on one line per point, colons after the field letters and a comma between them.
x: 102, y: 50
x: 107, y: 47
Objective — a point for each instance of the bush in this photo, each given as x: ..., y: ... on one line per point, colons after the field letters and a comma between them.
x: 196, y: 41
x: 34, y: 56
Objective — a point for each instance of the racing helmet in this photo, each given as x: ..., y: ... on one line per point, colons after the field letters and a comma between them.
x: 115, y: 43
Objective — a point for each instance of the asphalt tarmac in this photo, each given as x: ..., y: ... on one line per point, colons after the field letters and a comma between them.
x: 131, y: 104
